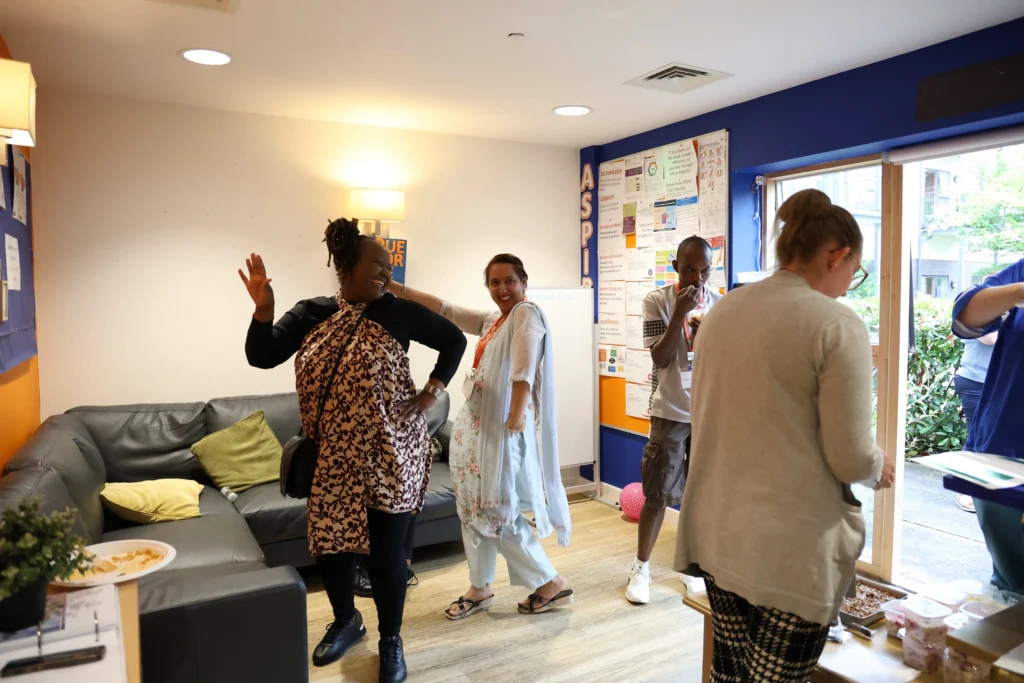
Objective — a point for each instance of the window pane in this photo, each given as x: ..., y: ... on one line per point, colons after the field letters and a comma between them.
x: 859, y: 191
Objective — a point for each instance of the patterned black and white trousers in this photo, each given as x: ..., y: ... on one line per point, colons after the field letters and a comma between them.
x: 760, y: 644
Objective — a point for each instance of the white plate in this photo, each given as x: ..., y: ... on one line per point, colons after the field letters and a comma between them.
x: 114, y: 548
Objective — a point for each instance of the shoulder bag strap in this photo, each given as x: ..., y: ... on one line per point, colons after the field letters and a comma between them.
x: 334, y: 373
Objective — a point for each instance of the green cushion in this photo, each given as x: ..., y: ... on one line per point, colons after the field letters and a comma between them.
x: 244, y: 455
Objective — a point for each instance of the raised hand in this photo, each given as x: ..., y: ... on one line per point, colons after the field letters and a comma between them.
x: 258, y: 285
x: 686, y: 300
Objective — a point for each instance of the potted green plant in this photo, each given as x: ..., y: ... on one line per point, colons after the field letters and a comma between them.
x: 35, y: 548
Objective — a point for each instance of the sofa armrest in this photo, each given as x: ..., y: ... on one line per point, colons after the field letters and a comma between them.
x: 240, y: 622
x: 444, y: 436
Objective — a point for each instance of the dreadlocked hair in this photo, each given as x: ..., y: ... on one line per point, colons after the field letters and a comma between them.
x: 343, y: 243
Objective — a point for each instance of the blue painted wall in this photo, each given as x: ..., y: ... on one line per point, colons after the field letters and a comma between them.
x: 863, y: 111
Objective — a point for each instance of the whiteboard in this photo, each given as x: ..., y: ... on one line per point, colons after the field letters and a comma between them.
x: 570, y: 315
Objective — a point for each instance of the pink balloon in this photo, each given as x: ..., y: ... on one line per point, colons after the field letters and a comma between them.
x: 632, y: 500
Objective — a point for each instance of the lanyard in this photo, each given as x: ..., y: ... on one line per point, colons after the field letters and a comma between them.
x: 686, y: 327
x: 485, y: 340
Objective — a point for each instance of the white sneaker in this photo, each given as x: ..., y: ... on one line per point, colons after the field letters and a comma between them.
x: 638, y: 588
x: 694, y: 584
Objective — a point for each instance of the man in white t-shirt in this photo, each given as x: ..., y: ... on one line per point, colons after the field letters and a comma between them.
x: 672, y: 316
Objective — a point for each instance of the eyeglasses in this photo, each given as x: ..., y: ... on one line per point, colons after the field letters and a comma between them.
x: 860, y: 277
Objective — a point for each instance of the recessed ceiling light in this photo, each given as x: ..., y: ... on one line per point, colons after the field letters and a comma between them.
x: 206, y: 57
x: 572, y: 110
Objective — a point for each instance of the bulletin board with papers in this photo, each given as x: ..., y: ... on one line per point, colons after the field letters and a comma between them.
x: 647, y: 204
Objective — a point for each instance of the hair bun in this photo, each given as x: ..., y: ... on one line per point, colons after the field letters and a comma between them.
x: 809, y: 203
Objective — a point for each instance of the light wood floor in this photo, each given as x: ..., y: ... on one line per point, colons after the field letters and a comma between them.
x: 600, y: 637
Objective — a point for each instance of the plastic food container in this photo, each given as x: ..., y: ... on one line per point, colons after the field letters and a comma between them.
x: 925, y: 657
x: 962, y: 668
x: 924, y: 620
x: 950, y: 597
x: 894, y: 620
x: 955, y: 621
x: 969, y: 587
x: 976, y: 610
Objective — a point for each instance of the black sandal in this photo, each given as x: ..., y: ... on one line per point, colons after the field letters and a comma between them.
x: 539, y: 604
x: 474, y: 607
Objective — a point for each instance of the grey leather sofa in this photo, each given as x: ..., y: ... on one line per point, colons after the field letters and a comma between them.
x: 231, y: 605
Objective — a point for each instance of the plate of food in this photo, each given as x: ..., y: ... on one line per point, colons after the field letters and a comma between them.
x: 118, y: 561
x: 866, y: 608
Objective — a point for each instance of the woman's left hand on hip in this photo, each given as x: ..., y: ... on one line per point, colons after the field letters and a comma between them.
x: 516, y: 425
x: 415, y: 407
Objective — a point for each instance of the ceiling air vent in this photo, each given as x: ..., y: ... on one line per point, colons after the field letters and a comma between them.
x: 678, y: 78
x: 222, y: 5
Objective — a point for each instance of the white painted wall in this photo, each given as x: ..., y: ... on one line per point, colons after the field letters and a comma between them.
x: 144, y: 213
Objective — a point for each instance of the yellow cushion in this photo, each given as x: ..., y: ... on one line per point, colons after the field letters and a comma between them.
x: 160, y: 500
x: 242, y: 456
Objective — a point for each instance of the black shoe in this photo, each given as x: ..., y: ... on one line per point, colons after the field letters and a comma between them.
x: 392, y: 661
x: 363, y: 587
x: 338, y: 639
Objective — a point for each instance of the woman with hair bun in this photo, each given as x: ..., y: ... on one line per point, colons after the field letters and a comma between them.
x: 356, y: 394
x: 504, y: 447
x: 781, y: 428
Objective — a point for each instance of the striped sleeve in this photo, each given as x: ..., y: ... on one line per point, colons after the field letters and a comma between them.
x: 655, y: 322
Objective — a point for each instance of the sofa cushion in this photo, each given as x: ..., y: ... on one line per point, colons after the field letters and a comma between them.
x: 48, y: 486
x: 440, y: 499
x: 149, y: 441
x: 271, y: 516
x: 244, y: 455
x: 280, y: 410
x: 149, y: 502
x: 63, y: 444
x: 219, y: 536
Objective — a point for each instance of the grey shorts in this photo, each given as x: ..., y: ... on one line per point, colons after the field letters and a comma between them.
x: 664, y: 466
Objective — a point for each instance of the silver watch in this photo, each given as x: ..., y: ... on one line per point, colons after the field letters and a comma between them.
x: 433, y: 391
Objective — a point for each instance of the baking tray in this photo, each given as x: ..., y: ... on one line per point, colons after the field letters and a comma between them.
x: 874, y: 617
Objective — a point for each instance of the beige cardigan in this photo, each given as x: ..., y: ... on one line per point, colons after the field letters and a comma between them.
x: 781, y: 421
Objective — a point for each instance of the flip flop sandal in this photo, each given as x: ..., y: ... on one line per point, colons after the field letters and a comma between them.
x: 539, y: 604
x: 474, y: 607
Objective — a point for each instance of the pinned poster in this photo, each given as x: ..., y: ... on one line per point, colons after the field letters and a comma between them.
x: 633, y: 172
x: 612, y: 180
x: 629, y: 218
x: 639, y: 367
x: 640, y: 263
x: 687, y: 217
x: 681, y: 169
x: 717, y: 278
x: 665, y: 215
x: 638, y: 400
x: 13, y: 260
x: 635, y: 331
x: 398, y: 255
x: 611, y: 329
x: 611, y: 250
x: 611, y: 297
x: 20, y: 182
x: 636, y: 292
x: 664, y: 272
x: 644, y: 228
x: 654, y: 175
x: 611, y: 360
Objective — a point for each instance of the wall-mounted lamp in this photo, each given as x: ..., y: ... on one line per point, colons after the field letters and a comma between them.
x: 374, y: 207
x: 17, y: 105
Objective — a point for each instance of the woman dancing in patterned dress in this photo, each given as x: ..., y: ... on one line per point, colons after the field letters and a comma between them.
x: 374, y: 454
x: 504, y: 447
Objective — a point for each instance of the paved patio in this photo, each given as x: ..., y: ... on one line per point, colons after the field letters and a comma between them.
x: 941, y: 542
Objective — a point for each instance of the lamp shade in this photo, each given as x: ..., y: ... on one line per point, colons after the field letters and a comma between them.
x: 378, y: 205
x: 17, y: 103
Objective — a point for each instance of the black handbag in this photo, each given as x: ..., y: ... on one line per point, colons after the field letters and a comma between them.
x: 298, y: 461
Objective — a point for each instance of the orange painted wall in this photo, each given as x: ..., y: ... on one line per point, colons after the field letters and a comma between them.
x: 19, y: 388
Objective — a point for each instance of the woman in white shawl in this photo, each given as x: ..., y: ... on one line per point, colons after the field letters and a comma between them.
x: 504, y: 447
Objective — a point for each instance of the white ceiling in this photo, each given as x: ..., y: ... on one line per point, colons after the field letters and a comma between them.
x: 447, y: 65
